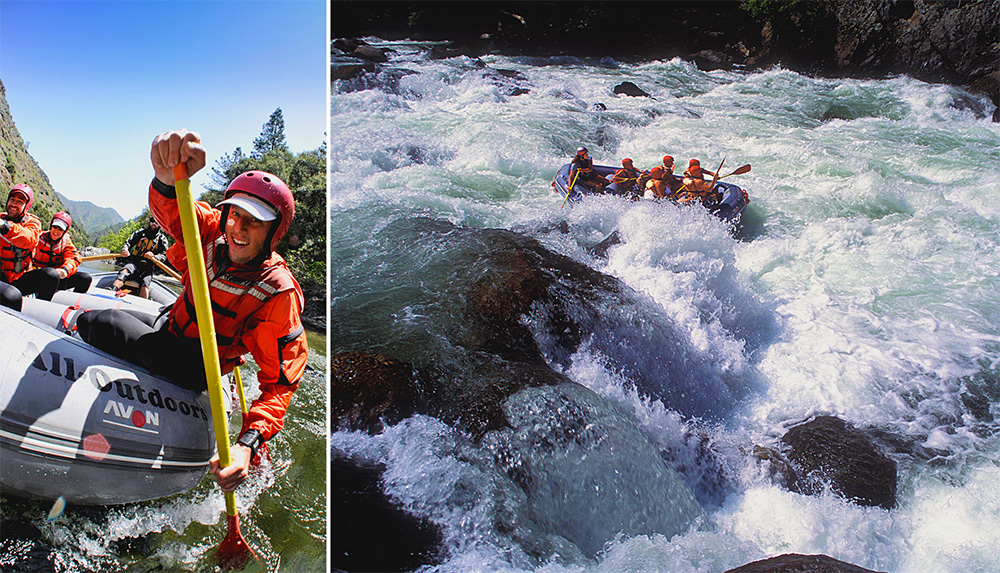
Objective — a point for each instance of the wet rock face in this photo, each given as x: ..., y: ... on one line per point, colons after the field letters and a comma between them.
x: 826, y: 450
x: 366, y: 389
x: 630, y: 89
x: 795, y: 563
x: 369, y: 532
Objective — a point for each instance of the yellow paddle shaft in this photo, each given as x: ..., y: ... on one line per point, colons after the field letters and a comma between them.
x: 206, y: 326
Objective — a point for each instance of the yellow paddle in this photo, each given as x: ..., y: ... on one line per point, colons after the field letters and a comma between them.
x: 570, y: 189
x: 166, y: 268
x: 233, y: 553
x: 100, y: 257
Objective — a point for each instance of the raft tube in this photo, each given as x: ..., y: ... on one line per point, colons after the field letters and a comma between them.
x: 78, y: 423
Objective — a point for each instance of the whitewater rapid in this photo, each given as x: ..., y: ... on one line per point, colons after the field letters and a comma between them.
x: 862, y: 283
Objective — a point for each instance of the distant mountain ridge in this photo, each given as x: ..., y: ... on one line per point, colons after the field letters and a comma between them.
x: 93, y: 217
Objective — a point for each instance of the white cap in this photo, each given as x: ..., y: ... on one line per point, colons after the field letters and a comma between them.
x: 258, y: 209
x: 59, y: 223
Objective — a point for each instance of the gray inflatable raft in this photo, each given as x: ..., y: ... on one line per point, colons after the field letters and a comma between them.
x: 79, y: 423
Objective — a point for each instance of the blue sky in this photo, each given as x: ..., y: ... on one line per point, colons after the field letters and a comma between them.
x: 90, y: 84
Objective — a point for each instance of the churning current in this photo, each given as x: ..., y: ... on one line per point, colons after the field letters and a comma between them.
x: 862, y: 283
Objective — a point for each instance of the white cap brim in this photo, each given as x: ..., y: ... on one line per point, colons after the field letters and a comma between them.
x: 255, y: 207
x: 60, y: 223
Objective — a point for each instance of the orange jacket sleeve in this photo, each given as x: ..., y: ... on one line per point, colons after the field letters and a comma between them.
x: 163, y: 206
x: 278, y: 345
x: 71, y: 258
x: 23, y: 235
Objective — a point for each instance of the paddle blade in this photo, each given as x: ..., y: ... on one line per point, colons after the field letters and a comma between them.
x: 739, y: 171
x: 234, y: 553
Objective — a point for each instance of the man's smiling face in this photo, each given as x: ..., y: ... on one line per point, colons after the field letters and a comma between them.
x: 245, y: 234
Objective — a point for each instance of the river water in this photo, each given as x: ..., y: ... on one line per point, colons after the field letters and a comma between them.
x: 862, y: 283
x: 282, y: 507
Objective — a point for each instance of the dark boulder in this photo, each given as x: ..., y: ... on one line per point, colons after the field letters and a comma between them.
x: 630, y: 89
x: 508, y: 82
x: 348, y: 69
x: 368, y: 531
x: 367, y: 389
x: 795, y: 563
x: 827, y: 450
x: 346, y: 45
x: 709, y: 60
x: 370, y: 53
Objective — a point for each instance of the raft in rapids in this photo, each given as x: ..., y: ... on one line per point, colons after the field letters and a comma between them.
x: 731, y: 203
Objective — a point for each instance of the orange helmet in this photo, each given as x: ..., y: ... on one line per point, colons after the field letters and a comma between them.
x: 694, y: 162
x: 656, y: 171
x: 695, y: 170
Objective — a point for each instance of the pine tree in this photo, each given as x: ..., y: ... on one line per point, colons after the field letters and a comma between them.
x: 222, y: 174
x: 272, y: 136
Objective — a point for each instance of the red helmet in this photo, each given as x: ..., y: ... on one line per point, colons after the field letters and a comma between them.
x: 64, y: 217
x: 25, y: 190
x: 694, y: 162
x: 269, y: 189
x: 668, y: 160
x: 626, y: 162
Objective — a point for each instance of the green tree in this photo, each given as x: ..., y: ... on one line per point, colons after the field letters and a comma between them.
x: 304, y: 246
x: 218, y: 176
x: 272, y: 136
x: 114, y: 241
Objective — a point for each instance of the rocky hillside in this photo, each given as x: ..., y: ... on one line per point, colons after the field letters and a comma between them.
x: 20, y: 167
x: 940, y: 41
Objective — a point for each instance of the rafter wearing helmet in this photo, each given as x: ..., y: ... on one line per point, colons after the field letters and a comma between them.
x: 19, y: 231
x: 256, y: 302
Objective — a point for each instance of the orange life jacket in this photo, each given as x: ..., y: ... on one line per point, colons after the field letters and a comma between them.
x: 255, y: 309
x: 626, y: 178
x: 237, y: 292
x: 58, y: 254
x: 696, y: 187
x: 17, y: 245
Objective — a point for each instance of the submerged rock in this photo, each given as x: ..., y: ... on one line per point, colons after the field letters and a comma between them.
x: 369, y: 390
x: 587, y: 469
x: 630, y: 89
x: 795, y: 563
x: 827, y: 450
x: 370, y: 533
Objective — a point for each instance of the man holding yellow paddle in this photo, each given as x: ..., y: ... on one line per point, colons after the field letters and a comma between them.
x: 256, y: 302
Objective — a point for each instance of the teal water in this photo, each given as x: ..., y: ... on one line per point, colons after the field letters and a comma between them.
x: 861, y: 283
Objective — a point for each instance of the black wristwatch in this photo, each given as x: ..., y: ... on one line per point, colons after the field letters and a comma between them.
x: 251, y: 439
